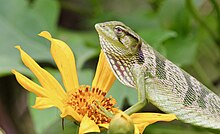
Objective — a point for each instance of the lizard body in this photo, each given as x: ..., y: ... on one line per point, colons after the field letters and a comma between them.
x: 136, y: 64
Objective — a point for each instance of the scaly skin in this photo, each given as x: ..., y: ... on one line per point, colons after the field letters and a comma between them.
x: 136, y: 64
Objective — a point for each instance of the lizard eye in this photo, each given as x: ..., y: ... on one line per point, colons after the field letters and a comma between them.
x: 118, y: 30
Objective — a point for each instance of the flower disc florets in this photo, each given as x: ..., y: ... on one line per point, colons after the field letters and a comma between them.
x: 89, y: 102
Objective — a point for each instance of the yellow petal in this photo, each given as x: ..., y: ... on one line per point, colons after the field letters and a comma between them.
x: 29, y: 85
x: 45, y: 34
x: 104, y: 77
x: 140, y: 127
x: 69, y: 111
x: 43, y: 103
x: 45, y: 78
x: 141, y: 120
x: 65, y: 61
x: 151, y: 117
x: 104, y: 125
x: 87, y: 125
x: 136, y: 131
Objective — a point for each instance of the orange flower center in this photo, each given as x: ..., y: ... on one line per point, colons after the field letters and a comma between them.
x: 89, y: 102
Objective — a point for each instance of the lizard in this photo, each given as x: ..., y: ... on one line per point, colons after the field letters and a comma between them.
x: 157, y: 80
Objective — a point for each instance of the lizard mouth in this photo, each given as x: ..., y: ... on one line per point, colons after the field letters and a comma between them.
x: 102, y: 30
x: 99, y: 27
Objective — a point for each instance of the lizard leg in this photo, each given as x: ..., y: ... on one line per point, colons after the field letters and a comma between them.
x: 139, y: 77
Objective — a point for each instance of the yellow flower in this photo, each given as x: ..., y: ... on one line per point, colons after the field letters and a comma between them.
x: 78, y: 102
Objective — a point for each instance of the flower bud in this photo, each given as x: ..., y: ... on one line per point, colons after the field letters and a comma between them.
x: 121, y: 124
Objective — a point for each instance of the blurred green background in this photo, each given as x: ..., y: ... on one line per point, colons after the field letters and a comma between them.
x: 186, y: 31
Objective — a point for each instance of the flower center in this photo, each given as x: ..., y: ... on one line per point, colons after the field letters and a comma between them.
x: 89, y: 102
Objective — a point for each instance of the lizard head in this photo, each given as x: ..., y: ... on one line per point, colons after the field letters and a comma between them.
x: 121, y: 46
x: 117, y: 38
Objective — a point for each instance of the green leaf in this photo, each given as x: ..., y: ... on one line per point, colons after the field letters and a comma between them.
x: 181, y: 51
x: 56, y: 128
x: 156, y: 37
x: 42, y: 119
x: 120, y: 92
x: 175, y: 17
x: 48, y: 13
x: 85, y: 76
x: 21, y: 26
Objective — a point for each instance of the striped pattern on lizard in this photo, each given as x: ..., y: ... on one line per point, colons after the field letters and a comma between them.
x: 136, y: 64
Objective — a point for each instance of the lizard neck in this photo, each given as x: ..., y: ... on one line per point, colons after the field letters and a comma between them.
x: 121, y: 65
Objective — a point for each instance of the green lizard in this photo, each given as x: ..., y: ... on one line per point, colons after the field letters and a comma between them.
x: 136, y: 64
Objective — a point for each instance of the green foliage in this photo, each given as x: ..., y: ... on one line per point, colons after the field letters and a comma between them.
x: 186, y: 32
x: 20, y: 23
